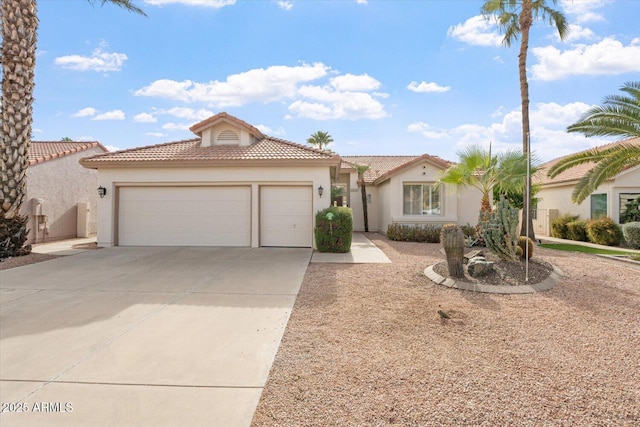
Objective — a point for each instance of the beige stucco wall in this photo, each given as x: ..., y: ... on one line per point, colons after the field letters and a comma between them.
x: 372, y: 208
x: 559, y: 196
x: 112, y: 179
x: 62, y: 183
x: 457, y: 206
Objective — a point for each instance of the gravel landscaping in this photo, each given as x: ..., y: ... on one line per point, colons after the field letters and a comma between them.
x: 365, y: 345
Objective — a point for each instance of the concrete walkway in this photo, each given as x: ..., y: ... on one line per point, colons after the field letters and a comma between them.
x: 63, y: 247
x: 362, y: 252
x: 150, y: 336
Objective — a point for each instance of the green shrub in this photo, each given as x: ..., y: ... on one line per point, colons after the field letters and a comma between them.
x: 523, y: 242
x: 632, y: 212
x: 631, y: 233
x: 559, y: 225
x: 604, y: 231
x: 577, y: 230
x: 334, y: 228
x: 428, y: 233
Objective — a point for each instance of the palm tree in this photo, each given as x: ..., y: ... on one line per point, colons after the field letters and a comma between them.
x: 320, y: 140
x: 483, y: 170
x: 618, y: 116
x: 19, y: 37
x: 361, y: 170
x: 515, y: 18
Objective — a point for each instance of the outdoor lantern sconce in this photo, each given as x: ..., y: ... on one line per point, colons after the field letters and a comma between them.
x: 320, y: 191
x: 102, y: 192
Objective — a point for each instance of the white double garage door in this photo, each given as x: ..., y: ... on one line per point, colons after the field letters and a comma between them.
x: 215, y: 216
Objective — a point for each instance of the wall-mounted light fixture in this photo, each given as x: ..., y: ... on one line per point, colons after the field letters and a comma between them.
x: 320, y: 191
x: 102, y: 191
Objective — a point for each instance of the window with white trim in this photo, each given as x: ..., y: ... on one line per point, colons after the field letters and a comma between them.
x: 421, y: 199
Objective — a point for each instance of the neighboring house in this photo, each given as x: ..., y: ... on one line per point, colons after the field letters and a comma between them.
x: 234, y: 186
x: 401, y: 190
x: 608, y: 200
x: 61, y: 196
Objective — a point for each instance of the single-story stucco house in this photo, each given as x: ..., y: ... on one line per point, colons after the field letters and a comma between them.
x: 234, y: 186
x: 608, y: 200
x: 61, y: 197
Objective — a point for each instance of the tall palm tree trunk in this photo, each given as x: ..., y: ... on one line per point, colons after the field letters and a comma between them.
x: 363, y: 190
x: 526, y: 20
x: 19, y: 30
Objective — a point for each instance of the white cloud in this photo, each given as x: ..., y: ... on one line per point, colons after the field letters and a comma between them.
x: 343, y: 97
x: 188, y: 113
x: 476, y: 31
x: 216, y: 4
x: 111, y: 147
x: 424, y: 87
x: 86, y: 112
x: 549, y: 138
x: 258, y: 85
x: 576, y: 32
x: 144, y: 118
x: 583, y: 10
x: 156, y: 134
x: 85, y: 138
x: 268, y: 131
x: 608, y: 56
x: 176, y: 126
x: 325, y: 103
x: 98, y: 61
x: 351, y: 82
x: 361, y: 1
x: 110, y: 115
x: 285, y: 5
x: 427, y: 131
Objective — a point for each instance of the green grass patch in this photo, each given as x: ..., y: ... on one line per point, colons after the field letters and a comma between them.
x: 580, y: 248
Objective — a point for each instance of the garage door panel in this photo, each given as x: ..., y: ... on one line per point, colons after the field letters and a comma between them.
x: 286, y: 216
x: 185, y: 216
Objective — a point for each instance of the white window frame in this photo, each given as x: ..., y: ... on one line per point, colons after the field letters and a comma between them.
x: 422, y: 213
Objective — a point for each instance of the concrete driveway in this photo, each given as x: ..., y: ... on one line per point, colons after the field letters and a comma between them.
x: 144, y: 336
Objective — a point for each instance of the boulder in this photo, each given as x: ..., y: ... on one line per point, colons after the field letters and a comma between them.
x: 479, y: 266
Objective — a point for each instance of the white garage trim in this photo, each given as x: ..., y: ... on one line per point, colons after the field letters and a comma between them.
x: 184, y: 216
x: 286, y: 216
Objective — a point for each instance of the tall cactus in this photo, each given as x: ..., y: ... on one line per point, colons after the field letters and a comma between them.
x: 500, y: 230
x: 452, y: 239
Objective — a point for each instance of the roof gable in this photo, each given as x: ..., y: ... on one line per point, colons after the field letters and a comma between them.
x: 381, y: 168
x: 220, y: 129
x: 42, y: 151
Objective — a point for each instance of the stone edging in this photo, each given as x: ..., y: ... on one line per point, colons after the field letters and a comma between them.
x: 545, y: 285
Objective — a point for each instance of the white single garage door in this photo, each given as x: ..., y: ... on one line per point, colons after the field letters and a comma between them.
x: 184, y: 216
x: 286, y: 216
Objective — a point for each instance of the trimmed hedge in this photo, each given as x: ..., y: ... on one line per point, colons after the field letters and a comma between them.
x: 334, y: 229
x: 577, y: 230
x: 604, y: 231
x: 631, y: 233
x: 428, y: 233
x: 559, y: 226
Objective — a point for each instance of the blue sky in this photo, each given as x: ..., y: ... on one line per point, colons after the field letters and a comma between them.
x: 382, y: 77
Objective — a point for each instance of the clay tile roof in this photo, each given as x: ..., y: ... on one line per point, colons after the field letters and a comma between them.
x: 191, y: 151
x: 41, y: 151
x: 577, y: 172
x: 381, y: 167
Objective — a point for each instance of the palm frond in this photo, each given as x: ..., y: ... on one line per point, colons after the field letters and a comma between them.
x: 125, y: 4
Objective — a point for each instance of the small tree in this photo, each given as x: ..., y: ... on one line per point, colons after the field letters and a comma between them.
x: 361, y: 170
x: 320, y: 140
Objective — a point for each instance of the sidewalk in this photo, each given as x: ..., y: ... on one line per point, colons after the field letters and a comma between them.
x: 63, y: 247
x: 362, y: 252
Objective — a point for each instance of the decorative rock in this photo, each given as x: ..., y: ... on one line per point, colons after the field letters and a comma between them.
x: 479, y: 266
